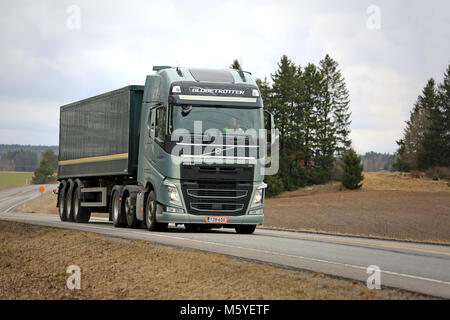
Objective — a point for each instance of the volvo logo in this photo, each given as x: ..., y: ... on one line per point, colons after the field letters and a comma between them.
x: 218, y: 151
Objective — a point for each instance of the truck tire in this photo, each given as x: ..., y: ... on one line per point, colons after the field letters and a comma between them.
x: 130, y: 212
x: 117, y: 216
x: 62, y: 204
x: 80, y: 214
x: 150, y: 214
x: 245, y: 229
x: 69, y: 201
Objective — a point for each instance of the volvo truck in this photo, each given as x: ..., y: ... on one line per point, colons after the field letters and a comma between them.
x: 185, y: 148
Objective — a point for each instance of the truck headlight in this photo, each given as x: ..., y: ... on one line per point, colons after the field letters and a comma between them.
x: 257, y: 198
x: 172, y: 192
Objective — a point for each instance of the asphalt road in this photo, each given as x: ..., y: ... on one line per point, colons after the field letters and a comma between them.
x: 14, y: 197
x: 412, y: 266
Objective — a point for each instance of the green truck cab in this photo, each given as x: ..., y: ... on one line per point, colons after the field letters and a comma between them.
x: 187, y: 148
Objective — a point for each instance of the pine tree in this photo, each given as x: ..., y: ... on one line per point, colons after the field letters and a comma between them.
x: 412, y: 143
x: 44, y: 173
x: 430, y: 153
x: 236, y: 65
x: 337, y: 99
x: 51, y: 157
x: 444, y: 102
x: 284, y: 107
x: 310, y: 129
x: 352, y: 170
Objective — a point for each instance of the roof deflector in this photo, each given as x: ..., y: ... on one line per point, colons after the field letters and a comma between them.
x: 208, y: 75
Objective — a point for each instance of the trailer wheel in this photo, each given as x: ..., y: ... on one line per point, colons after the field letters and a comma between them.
x: 69, y: 202
x: 80, y: 214
x: 130, y: 212
x: 245, y: 229
x: 117, y: 216
x: 62, y: 204
x: 150, y: 214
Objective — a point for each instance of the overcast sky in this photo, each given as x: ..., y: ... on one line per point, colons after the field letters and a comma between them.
x: 51, y: 56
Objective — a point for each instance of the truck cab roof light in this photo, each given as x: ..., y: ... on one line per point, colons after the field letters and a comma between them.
x: 255, y: 93
x: 176, y: 89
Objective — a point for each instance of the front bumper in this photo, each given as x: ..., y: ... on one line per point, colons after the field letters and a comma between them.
x: 168, y: 217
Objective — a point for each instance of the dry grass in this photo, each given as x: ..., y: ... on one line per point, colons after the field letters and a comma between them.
x: 34, y: 206
x: 396, y: 181
x: 33, y: 261
x: 389, y: 206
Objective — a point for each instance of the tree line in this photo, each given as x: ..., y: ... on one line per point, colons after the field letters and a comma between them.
x: 375, y: 161
x: 15, y: 157
x: 426, y: 139
x: 311, y: 109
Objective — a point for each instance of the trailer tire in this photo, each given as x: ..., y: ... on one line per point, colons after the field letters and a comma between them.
x: 150, y: 214
x: 69, y: 200
x: 80, y: 214
x: 61, y: 201
x: 245, y: 229
x: 116, y: 214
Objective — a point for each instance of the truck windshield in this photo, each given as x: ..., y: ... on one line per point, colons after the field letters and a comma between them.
x: 215, y: 117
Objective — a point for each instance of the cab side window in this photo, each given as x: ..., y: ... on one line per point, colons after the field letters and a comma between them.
x: 160, y: 124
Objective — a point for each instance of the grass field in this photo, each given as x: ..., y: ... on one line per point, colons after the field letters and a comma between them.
x: 389, y: 206
x: 34, y: 260
x: 12, y: 179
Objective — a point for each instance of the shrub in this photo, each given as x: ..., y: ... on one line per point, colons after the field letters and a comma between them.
x: 44, y: 173
x: 437, y: 173
x: 319, y: 176
x: 274, y: 186
x: 352, y: 170
x: 416, y: 174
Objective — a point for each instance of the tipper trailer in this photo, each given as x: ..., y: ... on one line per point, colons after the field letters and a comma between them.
x: 185, y: 148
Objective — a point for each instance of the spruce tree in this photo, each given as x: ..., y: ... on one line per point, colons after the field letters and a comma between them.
x: 51, y: 157
x: 236, y: 65
x: 444, y: 103
x: 337, y: 100
x: 284, y: 106
x: 430, y: 153
x: 44, y: 173
x: 352, y: 170
x: 310, y: 105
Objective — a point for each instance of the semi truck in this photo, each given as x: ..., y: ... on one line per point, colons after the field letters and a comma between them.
x: 182, y: 149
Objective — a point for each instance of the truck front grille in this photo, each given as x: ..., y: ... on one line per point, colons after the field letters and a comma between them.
x: 216, y: 198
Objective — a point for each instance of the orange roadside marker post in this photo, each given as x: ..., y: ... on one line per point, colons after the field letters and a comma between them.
x: 41, y: 190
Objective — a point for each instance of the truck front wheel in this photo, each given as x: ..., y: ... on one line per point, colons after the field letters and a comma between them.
x: 245, y: 229
x: 150, y: 214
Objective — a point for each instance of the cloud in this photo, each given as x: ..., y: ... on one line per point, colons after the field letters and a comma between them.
x: 44, y: 63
